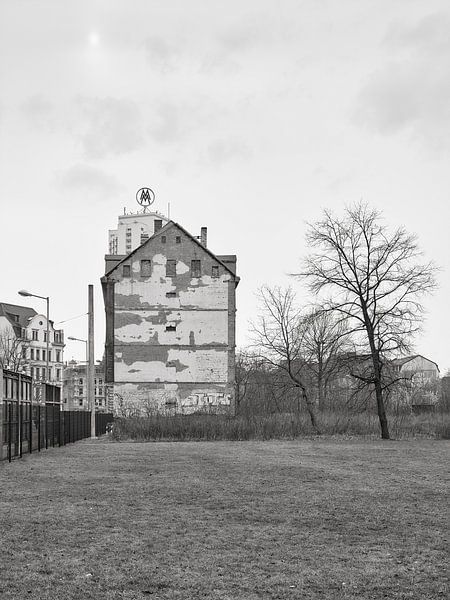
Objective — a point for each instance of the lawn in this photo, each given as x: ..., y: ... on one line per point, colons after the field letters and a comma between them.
x: 226, y: 520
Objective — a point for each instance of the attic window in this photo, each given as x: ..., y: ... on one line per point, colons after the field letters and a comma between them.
x: 178, y: 239
x: 171, y: 327
x: 126, y: 271
x: 171, y: 268
x: 195, y: 268
x: 214, y: 271
x: 163, y: 239
x: 146, y: 268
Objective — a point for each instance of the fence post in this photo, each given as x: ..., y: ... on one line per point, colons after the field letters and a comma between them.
x: 1, y: 413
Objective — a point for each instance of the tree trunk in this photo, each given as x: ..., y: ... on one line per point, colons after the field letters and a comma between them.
x: 310, y: 406
x: 381, y: 411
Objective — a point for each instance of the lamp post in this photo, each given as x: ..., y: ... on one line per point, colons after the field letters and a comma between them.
x: 47, y: 299
x: 74, y: 339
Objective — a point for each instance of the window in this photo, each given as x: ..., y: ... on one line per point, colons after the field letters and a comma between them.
x: 58, y: 336
x: 126, y: 270
x: 171, y: 294
x: 45, y: 336
x: 163, y: 239
x: 195, y: 268
x: 215, y: 271
x: 24, y: 352
x: 157, y: 225
x: 43, y: 354
x: 32, y: 354
x: 171, y: 327
x: 100, y: 381
x: 50, y: 356
x: 171, y: 268
x: 100, y: 403
x: 38, y: 354
x: 58, y: 374
x: 43, y: 373
x: 146, y: 268
x: 58, y: 356
x: 80, y: 391
x: 80, y: 402
x: 80, y: 381
x: 34, y: 335
x: 32, y: 372
x: 178, y: 239
x: 38, y: 372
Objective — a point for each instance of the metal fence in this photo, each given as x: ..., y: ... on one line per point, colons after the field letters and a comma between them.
x: 26, y: 427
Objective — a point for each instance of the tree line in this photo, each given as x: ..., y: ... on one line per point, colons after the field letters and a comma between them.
x: 369, y: 282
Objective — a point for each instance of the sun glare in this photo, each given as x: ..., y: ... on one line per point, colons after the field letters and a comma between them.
x: 94, y: 38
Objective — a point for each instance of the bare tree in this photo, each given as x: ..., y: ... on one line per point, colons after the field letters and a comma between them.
x: 278, y: 336
x: 12, y: 350
x: 247, y: 366
x: 324, y: 343
x: 376, y: 283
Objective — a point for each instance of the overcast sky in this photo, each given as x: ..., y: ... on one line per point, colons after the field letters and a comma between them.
x: 248, y: 116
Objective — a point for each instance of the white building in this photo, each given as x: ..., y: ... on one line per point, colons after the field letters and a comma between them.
x: 23, y: 343
x: 133, y: 229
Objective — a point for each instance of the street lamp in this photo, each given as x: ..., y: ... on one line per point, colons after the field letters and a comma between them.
x: 74, y: 339
x: 47, y: 299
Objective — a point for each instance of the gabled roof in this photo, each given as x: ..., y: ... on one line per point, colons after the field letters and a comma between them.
x: 163, y: 230
x: 23, y: 314
x: 399, y: 362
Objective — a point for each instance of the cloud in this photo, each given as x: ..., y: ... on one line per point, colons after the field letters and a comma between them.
x: 222, y: 151
x: 412, y: 93
x: 38, y: 111
x: 112, y: 127
x: 172, y: 122
x: 86, y: 179
x: 161, y: 55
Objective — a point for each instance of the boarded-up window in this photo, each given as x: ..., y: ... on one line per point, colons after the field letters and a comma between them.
x: 126, y: 270
x: 171, y: 268
x: 195, y: 268
x: 215, y: 271
x: 146, y: 268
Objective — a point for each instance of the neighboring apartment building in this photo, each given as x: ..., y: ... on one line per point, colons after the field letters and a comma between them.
x: 417, y: 368
x: 170, y: 324
x: 419, y: 384
x: 23, y: 333
x: 75, y: 387
x: 133, y: 229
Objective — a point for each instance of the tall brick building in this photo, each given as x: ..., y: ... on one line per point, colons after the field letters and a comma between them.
x: 170, y: 325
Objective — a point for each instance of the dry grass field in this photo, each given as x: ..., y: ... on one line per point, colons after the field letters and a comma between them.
x: 337, y: 519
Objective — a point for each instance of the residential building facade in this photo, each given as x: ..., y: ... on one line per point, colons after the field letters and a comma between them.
x: 133, y: 229
x: 23, y: 335
x: 170, y: 324
x: 75, y: 384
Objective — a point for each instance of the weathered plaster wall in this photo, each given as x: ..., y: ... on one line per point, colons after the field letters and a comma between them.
x: 173, y: 333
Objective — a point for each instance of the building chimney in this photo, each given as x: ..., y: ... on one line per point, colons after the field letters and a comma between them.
x: 203, y: 236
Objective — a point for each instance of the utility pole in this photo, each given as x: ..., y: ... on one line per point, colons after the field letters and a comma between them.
x: 91, y: 368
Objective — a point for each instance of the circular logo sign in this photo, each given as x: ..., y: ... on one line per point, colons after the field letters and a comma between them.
x: 145, y: 197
